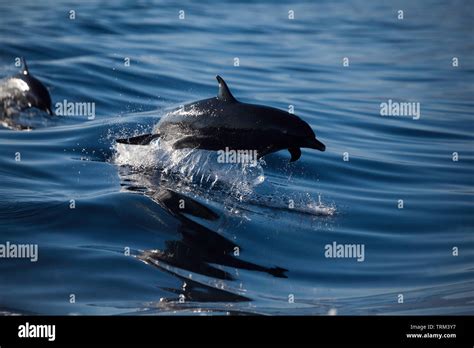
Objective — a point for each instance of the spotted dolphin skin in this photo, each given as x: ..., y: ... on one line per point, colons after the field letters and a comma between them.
x: 23, y: 91
x: 223, y: 122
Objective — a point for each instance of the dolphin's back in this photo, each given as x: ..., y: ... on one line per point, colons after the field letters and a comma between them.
x: 216, y: 113
x: 214, y: 124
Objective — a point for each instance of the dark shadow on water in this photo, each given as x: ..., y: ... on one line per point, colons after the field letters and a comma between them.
x: 199, y: 249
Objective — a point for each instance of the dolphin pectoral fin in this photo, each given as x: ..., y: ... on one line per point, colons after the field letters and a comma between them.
x: 143, y: 139
x: 188, y: 142
x: 295, y: 153
x: 197, y: 142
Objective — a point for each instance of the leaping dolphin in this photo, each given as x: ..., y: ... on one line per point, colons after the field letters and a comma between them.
x: 223, y: 122
x: 23, y: 91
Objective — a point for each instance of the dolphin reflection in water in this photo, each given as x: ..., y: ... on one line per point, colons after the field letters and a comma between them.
x: 199, y: 249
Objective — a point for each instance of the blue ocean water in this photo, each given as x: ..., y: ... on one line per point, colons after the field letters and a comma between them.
x: 251, y: 239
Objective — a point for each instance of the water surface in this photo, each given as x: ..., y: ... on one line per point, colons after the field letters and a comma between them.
x: 184, y: 261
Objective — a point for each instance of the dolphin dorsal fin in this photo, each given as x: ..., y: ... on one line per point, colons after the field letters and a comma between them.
x: 24, y: 67
x: 224, y: 92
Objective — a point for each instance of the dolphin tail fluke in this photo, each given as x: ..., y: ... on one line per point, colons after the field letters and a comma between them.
x: 295, y: 153
x: 143, y: 139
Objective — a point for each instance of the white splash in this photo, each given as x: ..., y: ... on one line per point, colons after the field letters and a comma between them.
x: 191, y: 166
